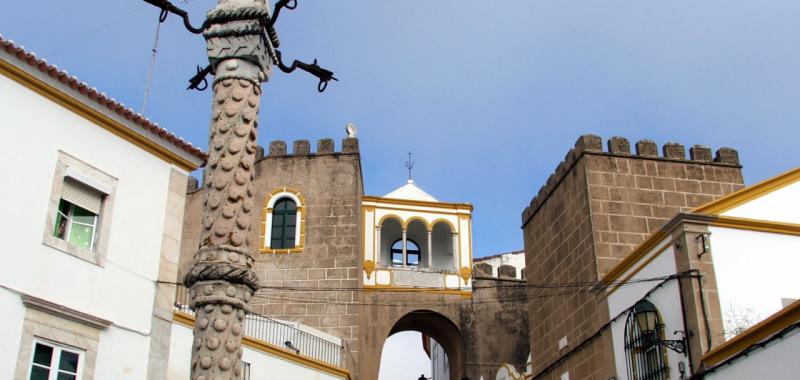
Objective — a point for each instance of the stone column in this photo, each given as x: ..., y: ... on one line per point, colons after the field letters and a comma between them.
x: 221, y: 282
x: 455, y: 251
x: 430, y: 249
x: 405, y: 232
x: 378, y: 245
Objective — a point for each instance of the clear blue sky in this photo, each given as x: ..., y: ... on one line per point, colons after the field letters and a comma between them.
x: 488, y: 95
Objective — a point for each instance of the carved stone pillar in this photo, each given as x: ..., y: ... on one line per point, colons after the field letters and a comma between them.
x: 456, y: 264
x: 221, y: 282
x: 430, y: 249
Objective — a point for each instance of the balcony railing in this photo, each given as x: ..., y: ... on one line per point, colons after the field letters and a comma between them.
x: 278, y: 333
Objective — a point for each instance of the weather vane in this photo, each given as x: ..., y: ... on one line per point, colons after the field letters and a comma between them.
x: 409, y: 165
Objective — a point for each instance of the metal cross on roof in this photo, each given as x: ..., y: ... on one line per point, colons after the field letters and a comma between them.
x: 409, y: 165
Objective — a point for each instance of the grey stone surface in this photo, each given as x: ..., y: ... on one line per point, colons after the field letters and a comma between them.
x: 416, y: 278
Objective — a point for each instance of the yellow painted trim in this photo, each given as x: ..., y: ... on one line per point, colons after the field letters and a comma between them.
x: 757, y: 333
x: 392, y: 288
x: 102, y: 120
x: 391, y: 216
x: 455, y: 213
x: 266, y: 211
x: 639, y: 268
x: 271, y: 349
x: 634, y: 256
x: 408, y: 202
x: 757, y: 225
x: 413, y: 218
x: 749, y: 193
x: 440, y: 220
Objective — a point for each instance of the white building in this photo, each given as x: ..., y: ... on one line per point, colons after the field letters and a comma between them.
x: 411, y: 240
x: 724, y: 277
x: 508, y: 265
x: 94, y: 203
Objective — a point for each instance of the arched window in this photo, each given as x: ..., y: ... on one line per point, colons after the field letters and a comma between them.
x: 412, y: 253
x: 284, y: 224
x: 645, y: 356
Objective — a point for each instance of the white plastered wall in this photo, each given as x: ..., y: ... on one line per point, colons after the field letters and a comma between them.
x: 777, y: 360
x: 754, y: 270
x: 123, y: 290
x: 666, y: 299
x: 10, y: 333
x: 781, y: 205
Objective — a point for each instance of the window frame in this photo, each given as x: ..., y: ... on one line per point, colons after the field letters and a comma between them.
x: 417, y: 252
x: 76, y: 170
x: 287, y: 216
x: 55, y: 359
x: 265, y: 241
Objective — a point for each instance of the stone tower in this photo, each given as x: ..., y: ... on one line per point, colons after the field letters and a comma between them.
x: 594, y: 210
x: 313, y: 279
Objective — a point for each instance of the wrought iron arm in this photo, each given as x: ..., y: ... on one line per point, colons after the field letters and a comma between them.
x: 677, y: 345
x: 288, y: 4
x: 166, y: 7
x: 314, y: 69
x: 199, y: 78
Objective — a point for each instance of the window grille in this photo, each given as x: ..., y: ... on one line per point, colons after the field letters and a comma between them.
x: 645, y: 356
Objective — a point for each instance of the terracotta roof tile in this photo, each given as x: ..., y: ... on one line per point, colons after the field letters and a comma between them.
x: 101, y: 98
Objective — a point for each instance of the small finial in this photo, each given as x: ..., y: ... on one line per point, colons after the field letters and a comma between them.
x: 351, y: 130
x: 409, y: 165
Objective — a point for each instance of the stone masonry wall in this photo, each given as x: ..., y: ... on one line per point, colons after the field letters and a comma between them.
x: 592, y: 212
x: 314, y: 286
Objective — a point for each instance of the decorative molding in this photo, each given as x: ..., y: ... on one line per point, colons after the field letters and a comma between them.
x: 64, y: 312
x: 369, y: 267
x: 465, y: 273
x: 757, y: 225
x: 407, y: 202
x: 266, y: 212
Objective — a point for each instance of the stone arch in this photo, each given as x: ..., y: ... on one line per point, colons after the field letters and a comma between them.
x: 439, y: 327
x: 419, y: 218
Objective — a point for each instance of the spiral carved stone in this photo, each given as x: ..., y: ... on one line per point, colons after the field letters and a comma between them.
x: 221, y: 280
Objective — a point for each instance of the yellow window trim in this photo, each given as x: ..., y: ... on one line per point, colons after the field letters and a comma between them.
x: 265, y: 211
x: 757, y: 333
x: 271, y: 349
x: 100, y: 119
x: 749, y: 193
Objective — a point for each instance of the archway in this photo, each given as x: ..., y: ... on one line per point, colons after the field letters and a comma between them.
x: 442, y: 330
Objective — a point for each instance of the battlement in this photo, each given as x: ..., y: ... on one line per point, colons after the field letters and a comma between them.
x: 302, y: 148
x: 621, y: 147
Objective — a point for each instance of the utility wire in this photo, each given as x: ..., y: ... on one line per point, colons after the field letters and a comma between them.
x: 150, y: 68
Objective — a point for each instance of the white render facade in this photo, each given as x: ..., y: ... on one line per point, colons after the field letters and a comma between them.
x: 746, y: 248
x: 77, y: 287
x: 411, y: 240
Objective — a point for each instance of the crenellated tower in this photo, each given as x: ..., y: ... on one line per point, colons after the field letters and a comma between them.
x: 594, y: 209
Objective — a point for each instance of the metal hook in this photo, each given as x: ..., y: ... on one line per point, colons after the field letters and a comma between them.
x: 198, y: 81
x: 288, y: 4
x: 163, y: 16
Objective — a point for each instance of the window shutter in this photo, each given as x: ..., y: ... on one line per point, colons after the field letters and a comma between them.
x: 81, y: 195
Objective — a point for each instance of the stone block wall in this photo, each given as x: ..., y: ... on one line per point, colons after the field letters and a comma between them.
x: 318, y: 286
x: 593, y: 211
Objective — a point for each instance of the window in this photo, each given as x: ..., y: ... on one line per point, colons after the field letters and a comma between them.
x: 76, y: 217
x: 412, y: 253
x: 53, y: 362
x: 245, y: 370
x: 80, y: 209
x: 645, y: 356
x: 284, y: 224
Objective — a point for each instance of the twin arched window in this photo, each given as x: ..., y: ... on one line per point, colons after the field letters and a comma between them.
x: 645, y: 356
x: 284, y: 224
x: 412, y: 253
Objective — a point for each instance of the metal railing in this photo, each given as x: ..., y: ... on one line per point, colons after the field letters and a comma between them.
x: 277, y: 333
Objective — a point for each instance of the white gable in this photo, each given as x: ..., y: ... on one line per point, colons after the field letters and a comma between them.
x: 410, y: 191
